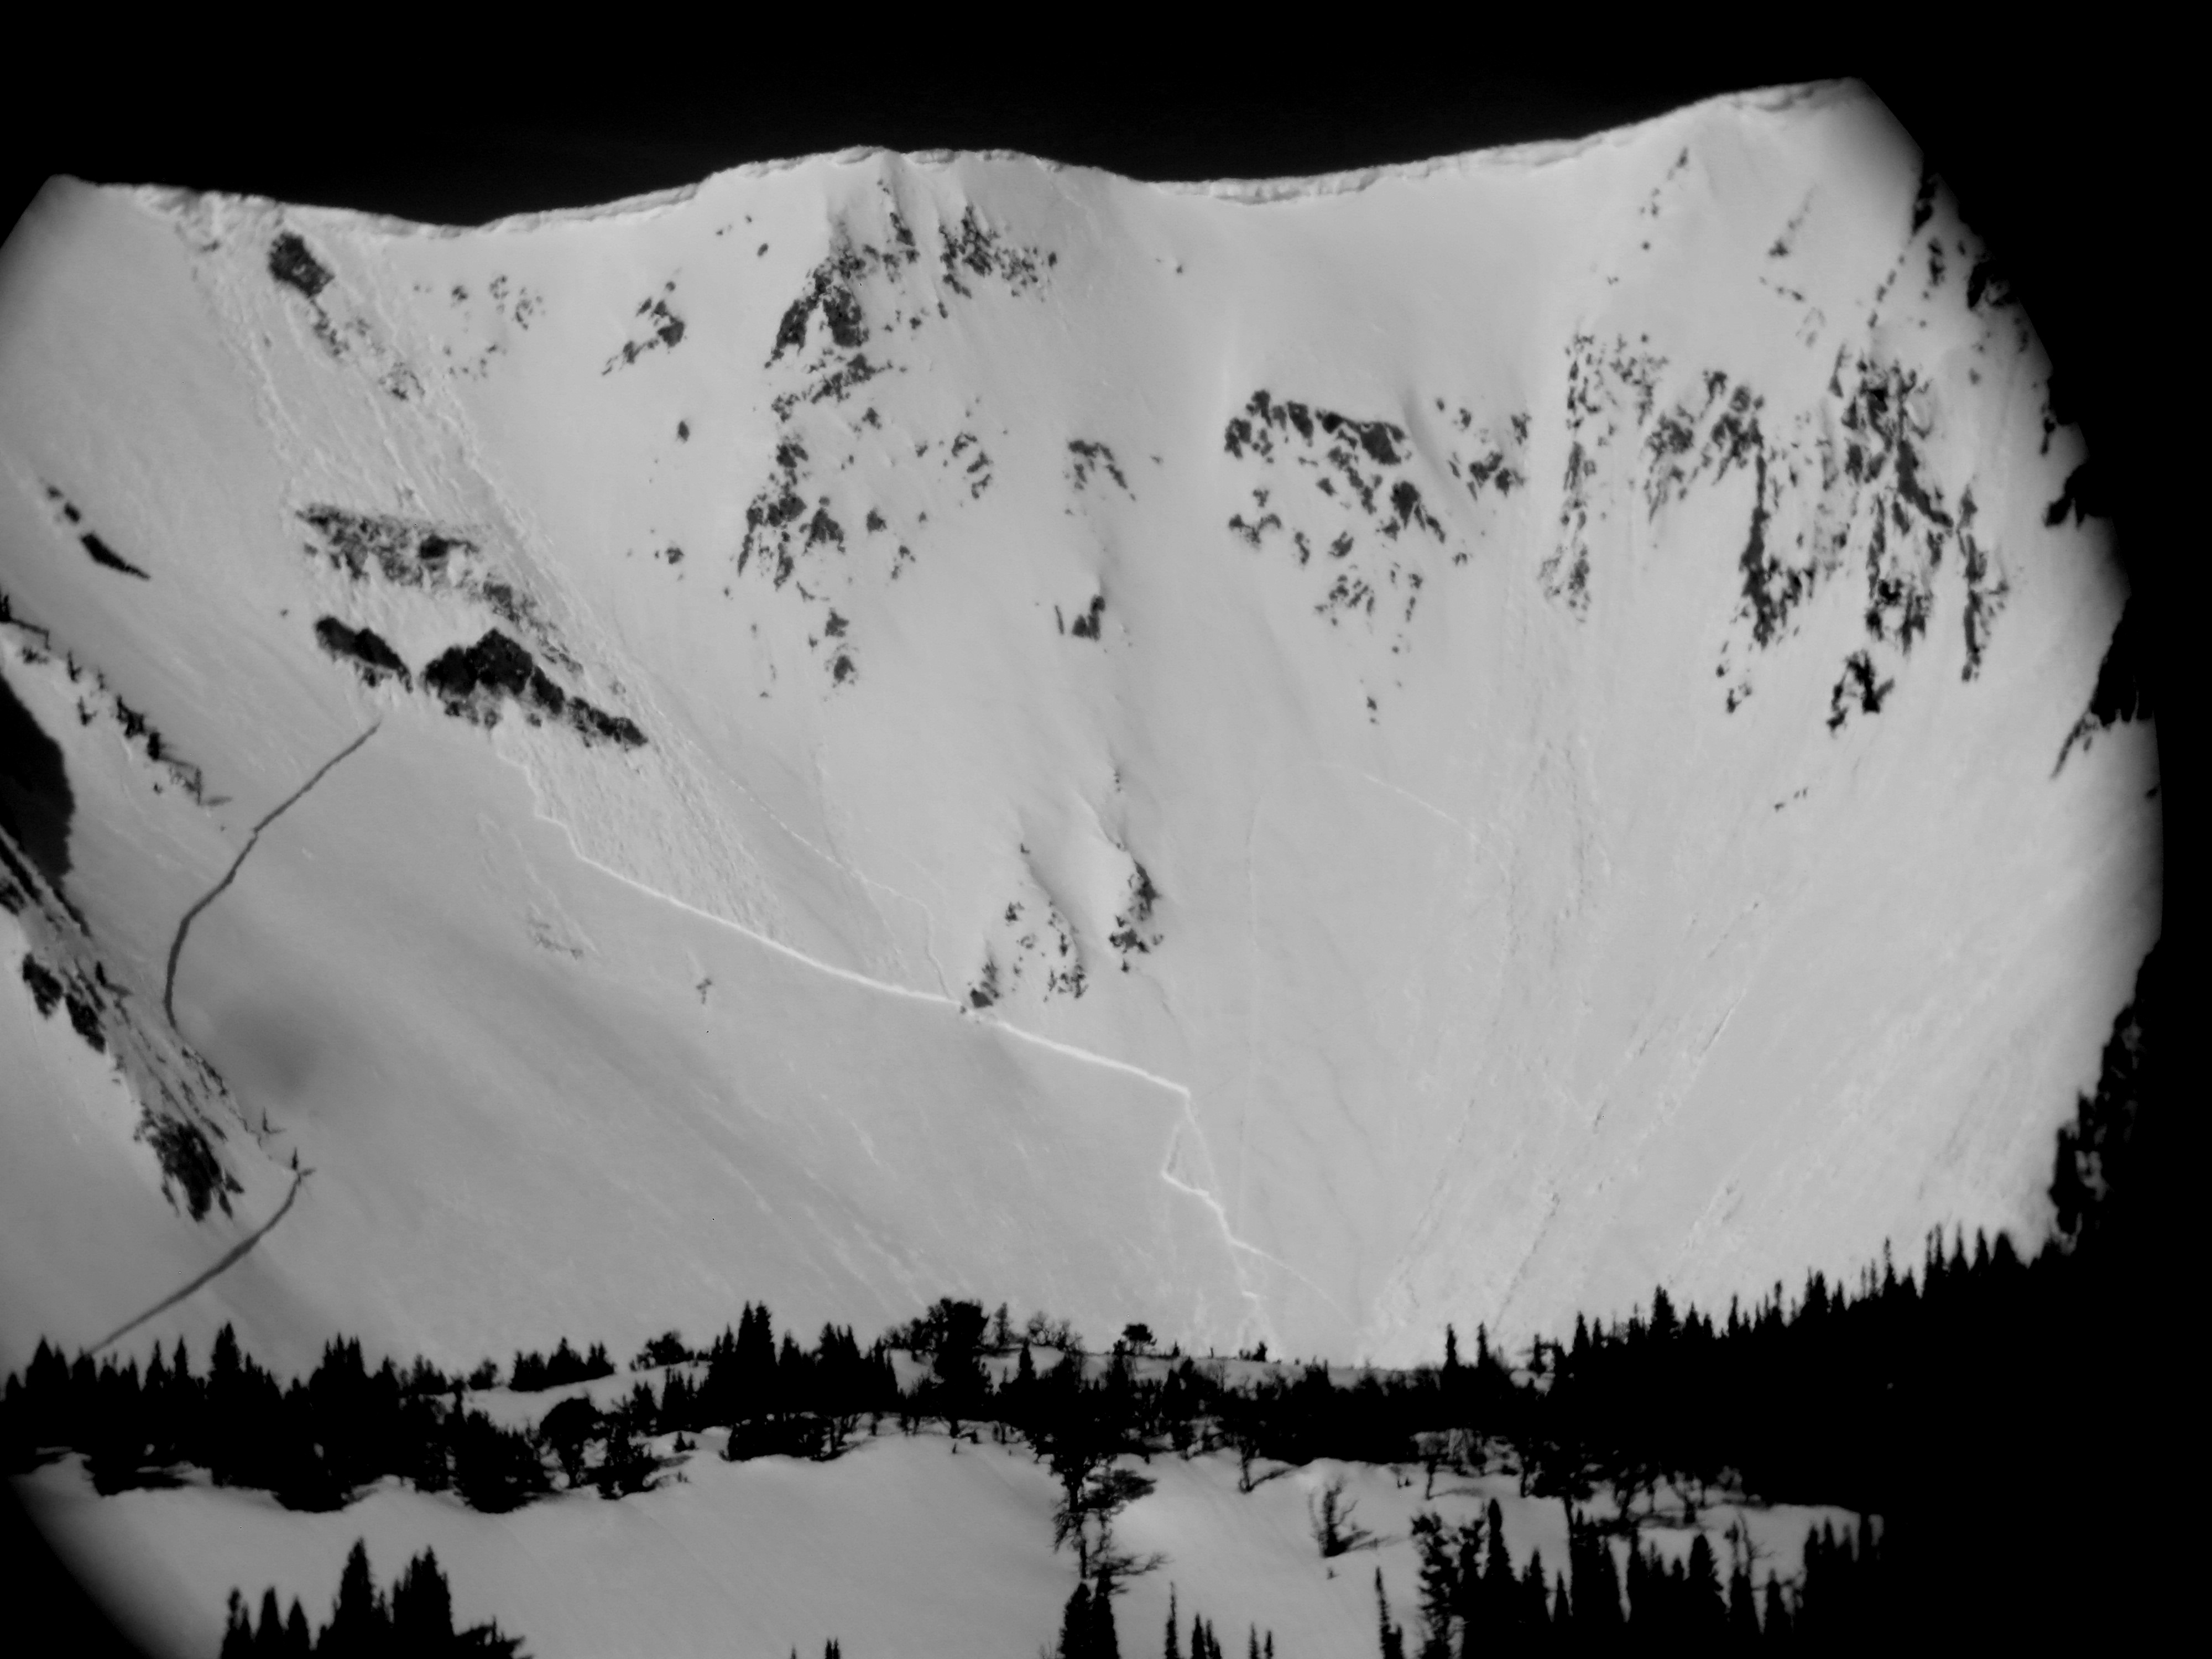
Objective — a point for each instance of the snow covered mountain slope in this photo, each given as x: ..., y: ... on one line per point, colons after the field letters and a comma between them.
x: 1303, y: 760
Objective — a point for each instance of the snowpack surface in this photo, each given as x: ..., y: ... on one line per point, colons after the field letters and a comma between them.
x: 1298, y: 761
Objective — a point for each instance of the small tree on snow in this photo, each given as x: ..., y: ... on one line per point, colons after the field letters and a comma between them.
x: 1334, y: 1528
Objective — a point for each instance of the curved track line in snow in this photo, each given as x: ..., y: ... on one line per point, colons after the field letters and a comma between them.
x: 1181, y: 1092
x: 177, y: 945
x: 227, y: 1257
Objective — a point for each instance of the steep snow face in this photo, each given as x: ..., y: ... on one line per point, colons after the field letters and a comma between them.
x: 1298, y: 761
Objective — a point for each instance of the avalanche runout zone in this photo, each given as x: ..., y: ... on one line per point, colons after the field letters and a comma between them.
x: 1237, y: 1247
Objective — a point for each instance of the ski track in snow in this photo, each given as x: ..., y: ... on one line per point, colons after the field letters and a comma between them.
x: 1181, y: 1092
x: 177, y: 945
x: 222, y: 1262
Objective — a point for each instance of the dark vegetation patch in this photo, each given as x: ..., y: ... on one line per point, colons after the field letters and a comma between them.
x: 181, y: 1148
x: 1985, y: 281
x: 663, y: 330
x: 980, y: 251
x: 1089, y: 457
x: 2123, y: 688
x: 1900, y: 1395
x: 100, y: 553
x: 2081, y: 496
x: 36, y: 802
x: 415, y: 1619
x: 1856, y: 690
x: 1085, y: 625
x: 472, y: 680
x: 409, y: 551
x: 16, y: 887
x: 1608, y: 386
x: 1354, y: 465
x: 417, y: 553
x: 774, y: 509
x: 108, y: 558
x: 1923, y: 199
x: 534, y: 1372
x: 373, y: 659
x: 1130, y: 925
x: 292, y: 265
x: 45, y: 986
x: 78, y: 997
x: 1490, y: 468
x: 978, y: 469
x: 840, y: 330
x: 985, y: 991
x: 831, y: 293
x: 84, y: 1018
x: 136, y: 729
x: 1856, y: 472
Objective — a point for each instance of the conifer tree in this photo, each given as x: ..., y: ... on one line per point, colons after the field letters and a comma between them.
x: 1597, y: 1585
x: 237, y: 1633
x: 1776, y: 1620
x: 1498, y: 1581
x: 1439, y: 1584
x: 1105, y: 1640
x: 1743, y: 1609
x: 1535, y: 1608
x: 1706, y: 1612
x: 1075, y: 1623
x: 1172, y: 1647
x: 494, y: 1469
x: 421, y: 1607
x: 268, y: 1636
x: 359, y: 1620
x: 1392, y: 1638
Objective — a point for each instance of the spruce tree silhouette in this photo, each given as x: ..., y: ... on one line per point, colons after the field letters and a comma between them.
x: 1391, y: 1639
x: 359, y: 1620
x: 1775, y: 1621
x: 1075, y: 1623
x: 1707, y: 1612
x: 423, y: 1606
x: 1105, y: 1639
x: 1743, y: 1607
x: 416, y: 1622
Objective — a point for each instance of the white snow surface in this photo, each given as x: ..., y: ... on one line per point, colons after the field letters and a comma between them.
x: 899, y: 1546
x: 1436, y: 882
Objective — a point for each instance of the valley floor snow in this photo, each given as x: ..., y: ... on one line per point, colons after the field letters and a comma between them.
x: 909, y: 1547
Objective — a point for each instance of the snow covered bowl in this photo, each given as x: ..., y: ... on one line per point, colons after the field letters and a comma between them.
x: 1292, y: 760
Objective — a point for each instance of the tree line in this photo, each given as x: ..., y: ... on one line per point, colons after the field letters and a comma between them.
x: 414, y: 1621
x: 1472, y: 1597
x: 1916, y: 1394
